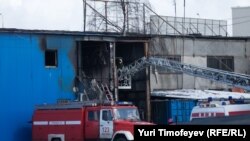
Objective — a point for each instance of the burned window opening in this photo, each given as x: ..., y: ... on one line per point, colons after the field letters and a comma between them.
x: 95, y: 60
x: 93, y: 68
x: 221, y: 62
x: 51, y: 59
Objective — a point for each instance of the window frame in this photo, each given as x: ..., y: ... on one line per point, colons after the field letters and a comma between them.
x: 219, y: 62
x: 107, y: 115
x: 55, y: 51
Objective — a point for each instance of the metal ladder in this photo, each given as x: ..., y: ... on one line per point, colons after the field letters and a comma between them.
x: 107, y: 92
x: 229, y: 78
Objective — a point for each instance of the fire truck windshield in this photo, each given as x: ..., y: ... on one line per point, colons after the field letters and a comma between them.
x: 126, y: 114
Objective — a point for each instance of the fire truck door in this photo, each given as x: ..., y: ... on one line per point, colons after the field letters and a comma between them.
x: 92, y: 124
x: 106, y: 124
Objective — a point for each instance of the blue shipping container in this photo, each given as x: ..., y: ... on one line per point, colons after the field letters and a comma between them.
x: 179, y: 110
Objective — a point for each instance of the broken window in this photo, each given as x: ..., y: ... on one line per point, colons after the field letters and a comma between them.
x: 51, y: 58
x: 221, y: 62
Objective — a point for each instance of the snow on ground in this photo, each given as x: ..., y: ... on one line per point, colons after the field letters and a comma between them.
x: 199, y: 94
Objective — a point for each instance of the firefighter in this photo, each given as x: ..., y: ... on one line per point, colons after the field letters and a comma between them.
x: 119, y: 62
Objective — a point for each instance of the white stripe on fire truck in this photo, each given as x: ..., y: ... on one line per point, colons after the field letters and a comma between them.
x: 56, y: 122
x: 73, y: 122
x: 40, y: 123
x: 76, y: 122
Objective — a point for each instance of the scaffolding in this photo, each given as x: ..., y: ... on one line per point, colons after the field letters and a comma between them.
x: 195, y: 26
x: 113, y: 16
x: 137, y: 16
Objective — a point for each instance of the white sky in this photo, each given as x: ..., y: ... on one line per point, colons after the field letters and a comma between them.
x: 67, y: 14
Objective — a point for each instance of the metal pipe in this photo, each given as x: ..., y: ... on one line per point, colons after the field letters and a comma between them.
x: 2, y: 20
x: 144, y: 19
x: 84, y: 15
x: 106, y: 17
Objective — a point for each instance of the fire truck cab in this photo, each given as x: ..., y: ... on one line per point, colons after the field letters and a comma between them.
x: 85, y: 121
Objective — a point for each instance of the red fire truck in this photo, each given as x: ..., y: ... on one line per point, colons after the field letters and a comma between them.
x: 82, y: 121
x: 222, y: 108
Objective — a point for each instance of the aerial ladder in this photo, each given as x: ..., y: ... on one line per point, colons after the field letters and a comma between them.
x: 230, y: 78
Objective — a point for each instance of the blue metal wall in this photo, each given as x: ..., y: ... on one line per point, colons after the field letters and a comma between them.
x: 25, y: 82
x: 179, y: 110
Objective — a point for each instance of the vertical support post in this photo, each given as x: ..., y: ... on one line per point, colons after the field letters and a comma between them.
x: 137, y: 28
x: 115, y: 80
x: 219, y: 28
x: 1, y: 14
x: 84, y: 15
x: 106, y: 17
x: 213, y: 27
x: 158, y: 27
x: 175, y: 12
x: 144, y: 19
x: 127, y: 10
x: 148, y: 95
x: 150, y: 25
x: 205, y: 27
x: 197, y: 28
x: 184, y: 21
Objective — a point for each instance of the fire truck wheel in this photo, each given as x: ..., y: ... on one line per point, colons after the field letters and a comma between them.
x: 121, y: 138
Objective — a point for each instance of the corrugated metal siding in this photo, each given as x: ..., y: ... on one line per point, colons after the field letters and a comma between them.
x: 25, y: 82
x: 181, y: 109
x: 178, y: 110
